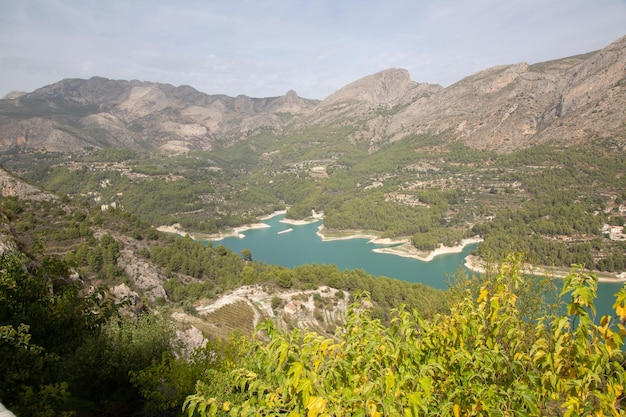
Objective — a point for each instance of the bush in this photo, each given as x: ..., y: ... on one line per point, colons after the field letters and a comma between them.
x: 481, y: 359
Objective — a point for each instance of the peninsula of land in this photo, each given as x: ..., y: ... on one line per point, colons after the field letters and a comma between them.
x: 234, y: 232
x: 476, y: 264
x: 398, y: 247
x: 406, y: 249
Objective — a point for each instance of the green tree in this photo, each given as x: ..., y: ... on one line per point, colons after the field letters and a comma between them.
x: 246, y: 254
x: 165, y: 384
x: 285, y: 279
x: 43, y: 320
x: 102, y: 367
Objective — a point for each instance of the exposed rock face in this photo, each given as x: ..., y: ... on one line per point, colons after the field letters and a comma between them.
x: 145, y: 276
x: 369, y: 98
x: 514, y: 106
x: 503, y: 108
x: 4, y: 412
x: 297, y: 308
x: 14, y: 94
x: 11, y: 186
x: 7, y: 243
x: 15, y: 187
x: 386, y: 88
x: 191, y: 339
x: 509, y: 107
x: 74, y: 114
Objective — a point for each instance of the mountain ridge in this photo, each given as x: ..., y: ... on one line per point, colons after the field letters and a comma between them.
x: 502, y: 108
x: 73, y: 114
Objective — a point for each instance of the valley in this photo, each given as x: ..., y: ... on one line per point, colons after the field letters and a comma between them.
x: 527, y: 159
x: 384, y: 154
x: 407, y: 190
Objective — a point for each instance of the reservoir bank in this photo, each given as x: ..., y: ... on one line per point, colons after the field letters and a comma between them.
x: 292, y: 244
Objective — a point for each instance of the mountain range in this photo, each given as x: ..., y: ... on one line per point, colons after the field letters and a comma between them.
x: 562, y: 102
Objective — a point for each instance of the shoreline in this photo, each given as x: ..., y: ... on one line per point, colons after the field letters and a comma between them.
x: 235, y: 232
x: 298, y: 222
x: 402, y: 246
x: 274, y: 214
x: 477, y: 265
x: 315, y: 217
x: 409, y: 251
x: 177, y: 229
x: 355, y: 235
x: 174, y: 229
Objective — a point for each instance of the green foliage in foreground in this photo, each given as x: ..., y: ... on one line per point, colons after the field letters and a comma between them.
x: 481, y: 359
x: 63, y: 351
x: 42, y: 321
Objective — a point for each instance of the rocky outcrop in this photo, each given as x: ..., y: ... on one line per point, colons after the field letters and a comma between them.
x: 503, y: 108
x: 11, y: 186
x: 321, y: 309
x: 370, y: 97
x: 7, y: 241
x: 386, y: 88
x: 4, y: 412
x: 146, y: 277
x: 14, y: 94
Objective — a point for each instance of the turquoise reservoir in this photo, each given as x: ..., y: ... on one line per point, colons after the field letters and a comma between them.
x: 277, y: 245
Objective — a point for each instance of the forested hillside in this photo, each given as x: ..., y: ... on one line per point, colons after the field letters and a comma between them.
x: 498, y: 349
x: 555, y: 205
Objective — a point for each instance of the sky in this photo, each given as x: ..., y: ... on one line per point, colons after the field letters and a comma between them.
x: 263, y: 48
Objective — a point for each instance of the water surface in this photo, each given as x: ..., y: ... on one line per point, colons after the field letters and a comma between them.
x: 276, y: 245
x: 280, y: 246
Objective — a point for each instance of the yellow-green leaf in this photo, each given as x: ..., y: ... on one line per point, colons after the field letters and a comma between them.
x: 315, y: 406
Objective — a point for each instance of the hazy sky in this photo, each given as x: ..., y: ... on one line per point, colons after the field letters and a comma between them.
x: 263, y: 48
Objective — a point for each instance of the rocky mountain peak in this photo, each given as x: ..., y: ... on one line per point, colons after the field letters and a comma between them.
x: 383, y: 88
x: 292, y: 103
x: 370, y: 95
x: 75, y: 91
x: 590, y: 82
x: 496, y: 78
x: 244, y: 104
x: 565, y: 101
x: 136, y: 115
